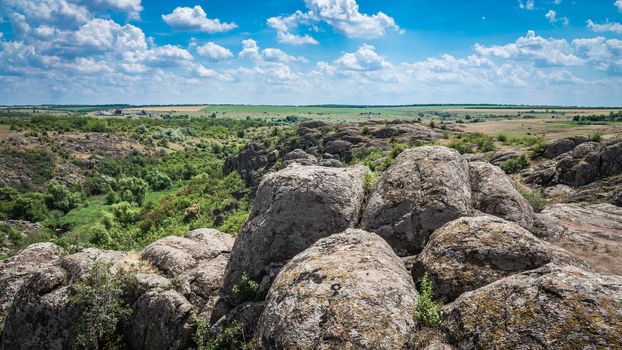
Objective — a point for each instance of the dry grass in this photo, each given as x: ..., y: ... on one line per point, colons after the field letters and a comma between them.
x: 171, y: 109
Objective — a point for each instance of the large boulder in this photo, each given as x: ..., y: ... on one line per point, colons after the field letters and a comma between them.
x: 494, y: 193
x: 347, y: 291
x: 15, y: 271
x: 197, y: 262
x: 293, y: 209
x: 554, y: 307
x: 425, y: 188
x: 42, y: 315
x: 470, y: 253
x: 561, y: 146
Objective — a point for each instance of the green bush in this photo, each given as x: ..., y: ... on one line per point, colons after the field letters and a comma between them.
x: 8, y: 193
x: 514, y: 165
x: 125, y: 212
x: 30, y: 207
x: 60, y: 198
x: 133, y: 189
x: 501, y: 137
x: 535, y: 198
x: 428, y: 312
x: 158, y: 180
x: 231, y: 338
x: 369, y: 180
x: 246, y: 288
x: 597, y: 136
x: 103, y: 306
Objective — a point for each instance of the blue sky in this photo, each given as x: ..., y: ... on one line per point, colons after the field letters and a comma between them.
x: 560, y: 52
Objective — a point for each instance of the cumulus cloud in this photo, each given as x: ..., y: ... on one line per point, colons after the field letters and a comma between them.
x: 364, y: 59
x: 604, y: 54
x: 526, y: 5
x: 540, y: 51
x: 131, y: 7
x: 618, y: 4
x: 250, y: 49
x: 214, y: 52
x: 343, y: 15
x: 195, y: 19
x: 604, y: 27
x: 551, y: 16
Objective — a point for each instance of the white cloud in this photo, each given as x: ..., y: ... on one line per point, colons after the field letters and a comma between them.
x: 250, y: 49
x: 540, y: 51
x: 364, y: 59
x: 551, y: 16
x: 195, y: 19
x: 293, y: 39
x: 214, y: 52
x: 527, y: 5
x: 618, y: 4
x: 604, y: 54
x: 131, y: 7
x: 604, y: 27
x: 343, y: 15
x: 276, y: 55
x: 203, y: 72
x: 557, y: 2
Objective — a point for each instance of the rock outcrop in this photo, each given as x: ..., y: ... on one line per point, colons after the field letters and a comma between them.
x: 592, y: 232
x: 493, y: 192
x: 425, y: 188
x: 347, y: 291
x: 324, y: 144
x: 561, y: 146
x: 293, y: 209
x: 43, y: 316
x: 470, y: 253
x: 554, y: 307
x: 17, y: 270
x: 580, y: 165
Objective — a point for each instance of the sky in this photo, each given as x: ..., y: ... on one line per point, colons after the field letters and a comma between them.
x: 299, y: 52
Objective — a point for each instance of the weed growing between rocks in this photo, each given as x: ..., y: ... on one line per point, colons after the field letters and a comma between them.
x: 247, y: 287
x: 535, y: 198
x: 232, y: 337
x: 428, y: 312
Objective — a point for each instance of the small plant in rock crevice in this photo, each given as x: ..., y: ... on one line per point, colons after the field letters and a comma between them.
x: 428, y: 312
x: 246, y: 288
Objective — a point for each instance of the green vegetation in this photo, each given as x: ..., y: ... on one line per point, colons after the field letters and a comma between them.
x: 535, y: 198
x: 428, y: 312
x: 130, y: 191
x: 231, y: 338
x: 246, y: 288
x: 471, y: 143
x: 103, y: 305
x: 514, y: 165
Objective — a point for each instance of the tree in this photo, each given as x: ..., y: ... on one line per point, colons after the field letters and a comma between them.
x: 133, y: 189
x: 158, y: 180
x: 29, y: 207
x: 61, y: 198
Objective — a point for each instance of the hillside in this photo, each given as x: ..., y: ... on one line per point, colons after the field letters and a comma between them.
x: 173, y: 230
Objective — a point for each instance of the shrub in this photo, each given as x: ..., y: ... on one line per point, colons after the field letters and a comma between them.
x: 597, y: 136
x: 428, y: 312
x: 369, y: 180
x: 535, y: 198
x: 231, y: 338
x: 537, y: 150
x: 103, y: 306
x: 246, y: 288
x: 158, y: 180
x: 59, y: 197
x: 133, y: 189
x: 8, y: 193
x: 501, y: 137
x: 125, y: 213
x: 29, y: 207
x: 514, y: 165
